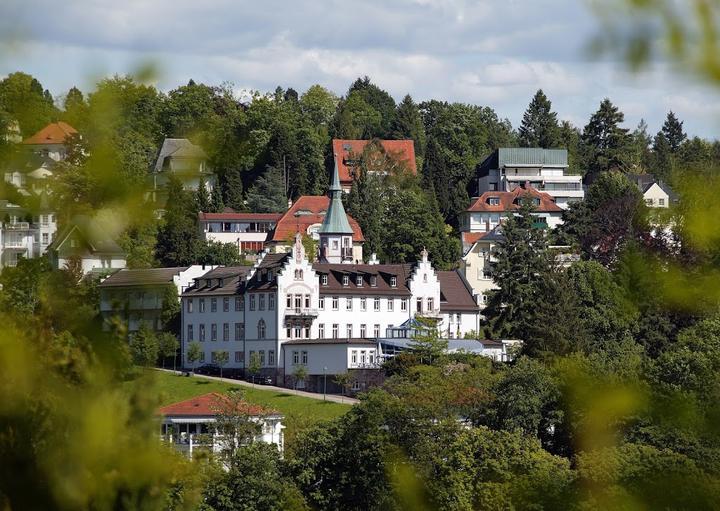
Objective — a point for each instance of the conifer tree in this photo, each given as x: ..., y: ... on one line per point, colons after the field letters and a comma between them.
x: 408, y: 124
x: 605, y: 142
x: 673, y: 131
x: 539, y: 126
x: 202, y: 197
x: 234, y: 189
x: 216, y: 200
x: 268, y: 193
x: 521, y: 264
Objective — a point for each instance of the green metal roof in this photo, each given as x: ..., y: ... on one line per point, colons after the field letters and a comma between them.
x: 508, y: 156
x: 335, y: 221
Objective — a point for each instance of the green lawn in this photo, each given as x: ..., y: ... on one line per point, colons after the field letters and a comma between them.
x: 300, y: 412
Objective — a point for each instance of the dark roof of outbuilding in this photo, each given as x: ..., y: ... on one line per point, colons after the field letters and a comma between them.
x: 455, y: 295
x: 142, y: 277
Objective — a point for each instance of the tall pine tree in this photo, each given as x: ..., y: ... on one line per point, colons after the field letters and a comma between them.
x: 673, y: 131
x: 605, y: 143
x: 408, y: 125
x: 521, y: 265
x: 539, y: 126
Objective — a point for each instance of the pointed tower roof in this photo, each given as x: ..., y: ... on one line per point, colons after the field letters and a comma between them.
x: 335, y: 221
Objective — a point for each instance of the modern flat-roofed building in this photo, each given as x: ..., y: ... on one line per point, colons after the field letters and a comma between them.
x: 249, y: 231
x: 542, y: 169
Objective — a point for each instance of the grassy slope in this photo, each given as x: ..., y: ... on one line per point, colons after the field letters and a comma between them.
x: 300, y: 412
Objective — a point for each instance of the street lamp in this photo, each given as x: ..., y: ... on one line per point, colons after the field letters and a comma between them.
x: 324, y: 381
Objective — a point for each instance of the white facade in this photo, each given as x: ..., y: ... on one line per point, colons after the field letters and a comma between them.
x: 656, y: 197
x: 286, y: 298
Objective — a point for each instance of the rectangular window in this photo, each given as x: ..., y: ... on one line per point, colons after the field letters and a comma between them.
x: 430, y: 304
x: 335, y: 302
x: 298, y: 301
x: 238, y: 303
x: 390, y: 304
x: 321, y: 303
x: 353, y: 357
x: 376, y: 304
x: 189, y: 305
x: 376, y: 330
x: 213, y: 304
x: 363, y: 330
x: 296, y: 357
x: 298, y: 331
x: 358, y: 280
x: 202, y: 356
x: 271, y: 302
x: 239, y: 357
x: 403, y: 304
x: 349, y: 331
x: 190, y: 333
x: 660, y: 201
x: 213, y: 332
x: 226, y: 304
x: 363, y: 355
x: 393, y: 281
x: 418, y: 305
x: 307, y: 332
x: 373, y: 280
x: 252, y: 302
x: 307, y: 301
x: 202, y: 304
x: 288, y: 332
x: 346, y: 280
x: 321, y: 331
x: 348, y: 303
x: 288, y: 301
x: 261, y: 300
x: 226, y: 331
x: 261, y: 354
x: 486, y: 275
x: 45, y: 237
x: 335, y: 331
x: 239, y: 331
x: 271, y: 357
x: 202, y: 332
x: 324, y: 279
x: 304, y: 358
x: 363, y: 304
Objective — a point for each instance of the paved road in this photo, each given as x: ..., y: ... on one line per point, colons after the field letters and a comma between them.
x: 329, y: 397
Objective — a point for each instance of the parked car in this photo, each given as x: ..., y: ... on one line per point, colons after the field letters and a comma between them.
x: 264, y: 380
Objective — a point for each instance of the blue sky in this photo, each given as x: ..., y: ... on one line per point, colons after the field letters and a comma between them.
x: 487, y: 52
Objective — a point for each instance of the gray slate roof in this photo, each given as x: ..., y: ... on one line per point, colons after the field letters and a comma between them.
x: 179, y: 148
x: 142, y: 277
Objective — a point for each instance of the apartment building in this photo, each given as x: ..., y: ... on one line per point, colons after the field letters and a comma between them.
x: 545, y: 170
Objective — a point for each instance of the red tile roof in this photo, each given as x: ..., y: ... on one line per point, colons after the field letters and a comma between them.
x: 311, y: 210
x: 248, y: 217
x: 404, y: 150
x: 209, y: 405
x: 509, y: 201
x: 53, y: 133
x: 468, y: 238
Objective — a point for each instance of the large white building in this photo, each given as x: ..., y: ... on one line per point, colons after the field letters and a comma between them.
x: 326, y: 317
x: 543, y: 169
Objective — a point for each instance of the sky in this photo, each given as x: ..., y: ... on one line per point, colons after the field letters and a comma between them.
x: 493, y: 53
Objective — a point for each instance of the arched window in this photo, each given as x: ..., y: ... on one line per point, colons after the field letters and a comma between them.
x: 261, y: 329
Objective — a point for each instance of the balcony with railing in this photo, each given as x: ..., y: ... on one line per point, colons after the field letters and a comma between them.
x: 301, y: 312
